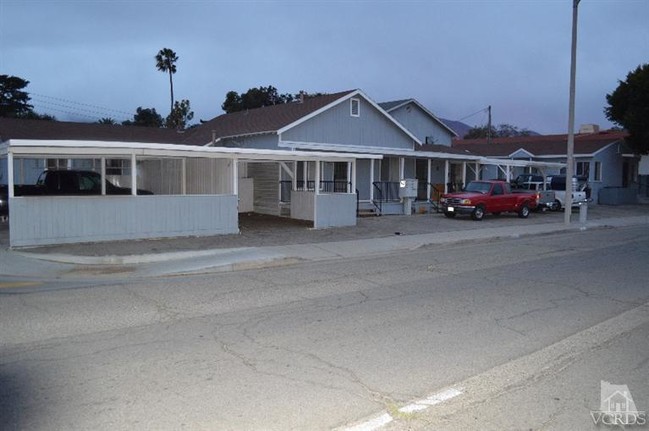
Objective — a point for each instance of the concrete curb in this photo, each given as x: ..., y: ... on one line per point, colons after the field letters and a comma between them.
x: 243, y: 258
x: 129, y: 259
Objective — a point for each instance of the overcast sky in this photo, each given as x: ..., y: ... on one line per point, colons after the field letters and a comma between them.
x: 456, y: 57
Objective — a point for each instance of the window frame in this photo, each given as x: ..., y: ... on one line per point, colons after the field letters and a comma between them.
x: 597, y: 172
x: 583, y: 163
x: 357, y: 101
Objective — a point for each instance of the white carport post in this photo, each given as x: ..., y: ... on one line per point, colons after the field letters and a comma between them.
x: 133, y: 175
x: 235, y: 176
x: 183, y: 173
x: 508, y: 173
x: 294, y: 178
x: 463, y: 174
x: 103, y: 176
x: 352, y: 179
x: 428, y: 178
x: 10, y: 174
x: 477, y: 171
x: 402, y: 167
x: 371, y: 179
x: 317, y: 177
x: 305, y: 175
x: 446, y: 169
x: 349, y: 177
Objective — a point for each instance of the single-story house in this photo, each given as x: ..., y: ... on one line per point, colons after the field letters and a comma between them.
x: 320, y: 159
x: 343, y: 122
x: 602, y: 156
x: 197, y: 190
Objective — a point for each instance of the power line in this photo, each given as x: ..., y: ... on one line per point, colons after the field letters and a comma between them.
x: 92, y: 117
x: 73, y: 102
x: 475, y: 113
x: 79, y: 111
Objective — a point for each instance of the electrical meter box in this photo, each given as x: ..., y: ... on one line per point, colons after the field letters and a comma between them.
x: 408, y: 188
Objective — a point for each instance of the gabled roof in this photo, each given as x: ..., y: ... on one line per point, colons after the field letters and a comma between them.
x: 275, y: 119
x: 586, y: 145
x: 14, y: 128
x: 268, y: 119
x: 389, y: 106
x: 396, y: 104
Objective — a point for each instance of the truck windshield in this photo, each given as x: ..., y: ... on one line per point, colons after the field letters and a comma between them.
x: 478, y: 187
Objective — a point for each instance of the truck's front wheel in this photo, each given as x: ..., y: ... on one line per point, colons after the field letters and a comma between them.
x: 524, y: 211
x: 478, y: 213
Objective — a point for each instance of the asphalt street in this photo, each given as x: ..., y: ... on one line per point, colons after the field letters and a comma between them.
x: 323, y: 345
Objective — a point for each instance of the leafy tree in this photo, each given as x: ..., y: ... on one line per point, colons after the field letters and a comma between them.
x: 480, y: 132
x: 106, y: 120
x: 180, y: 115
x: 36, y: 116
x: 145, y: 117
x: 166, y: 62
x: 14, y: 101
x: 502, y: 131
x: 629, y: 108
x: 256, y: 98
x: 507, y: 130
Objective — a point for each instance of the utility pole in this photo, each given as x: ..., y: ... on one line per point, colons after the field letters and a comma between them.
x: 571, y: 116
x: 489, y: 125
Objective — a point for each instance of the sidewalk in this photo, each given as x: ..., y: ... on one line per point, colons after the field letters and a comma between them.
x: 268, y: 241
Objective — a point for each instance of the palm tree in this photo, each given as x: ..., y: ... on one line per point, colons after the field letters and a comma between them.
x: 166, y: 62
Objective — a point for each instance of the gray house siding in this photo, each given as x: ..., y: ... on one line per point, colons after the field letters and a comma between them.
x: 409, y: 167
x: 363, y: 178
x: 420, y: 124
x: 336, y: 126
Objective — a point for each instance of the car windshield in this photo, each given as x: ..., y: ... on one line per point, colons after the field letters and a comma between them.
x: 478, y: 187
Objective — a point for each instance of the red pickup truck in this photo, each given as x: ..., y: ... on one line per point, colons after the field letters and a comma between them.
x: 481, y: 197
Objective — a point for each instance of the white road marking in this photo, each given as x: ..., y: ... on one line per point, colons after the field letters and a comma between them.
x: 437, y: 398
x: 385, y: 418
x: 372, y: 424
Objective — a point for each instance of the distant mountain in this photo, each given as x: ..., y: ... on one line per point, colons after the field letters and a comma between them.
x: 457, y: 126
x: 462, y: 129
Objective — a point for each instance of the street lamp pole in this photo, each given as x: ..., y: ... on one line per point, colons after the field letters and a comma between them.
x: 571, y: 117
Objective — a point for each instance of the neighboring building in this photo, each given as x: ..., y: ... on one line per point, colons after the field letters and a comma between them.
x: 422, y: 123
x: 342, y: 122
x: 602, y: 156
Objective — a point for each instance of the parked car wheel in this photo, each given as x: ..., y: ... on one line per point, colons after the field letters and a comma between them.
x: 478, y: 213
x: 448, y: 214
x: 524, y: 212
x: 556, y: 206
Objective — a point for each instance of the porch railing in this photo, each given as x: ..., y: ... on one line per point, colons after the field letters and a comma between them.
x: 435, y: 194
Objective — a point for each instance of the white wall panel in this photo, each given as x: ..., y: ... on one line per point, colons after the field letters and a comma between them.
x: 42, y: 220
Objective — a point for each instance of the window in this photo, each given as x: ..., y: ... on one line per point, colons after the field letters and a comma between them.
x: 498, y: 189
x: 598, y: 171
x: 57, y: 163
x: 583, y: 169
x: 355, y: 107
x: 117, y: 167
